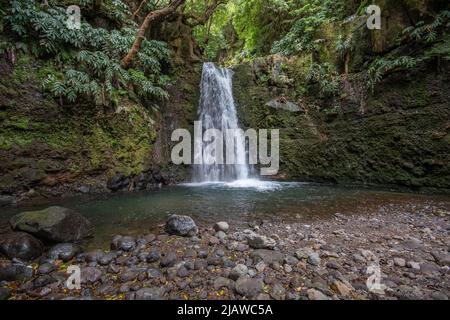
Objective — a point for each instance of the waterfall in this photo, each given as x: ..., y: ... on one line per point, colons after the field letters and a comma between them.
x: 217, y: 111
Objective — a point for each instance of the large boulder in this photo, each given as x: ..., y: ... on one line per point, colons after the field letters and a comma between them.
x: 20, y: 245
x: 118, y: 182
x: 63, y: 251
x: 14, y: 272
x: 181, y: 226
x: 54, y: 224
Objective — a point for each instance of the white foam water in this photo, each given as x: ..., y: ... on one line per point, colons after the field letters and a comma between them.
x: 217, y: 111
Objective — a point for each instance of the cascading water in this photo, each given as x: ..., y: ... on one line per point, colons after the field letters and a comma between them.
x: 217, y: 111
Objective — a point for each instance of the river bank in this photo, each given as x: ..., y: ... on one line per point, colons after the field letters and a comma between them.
x: 325, y: 259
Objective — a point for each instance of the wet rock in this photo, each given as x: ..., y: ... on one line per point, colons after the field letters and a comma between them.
x: 314, y: 294
x: 153, y: 273
x: 435, y: 296
x: 123, y: 243
x: 257, y: 241
x: 213, y: 241
x: 221, y: 282
x: 106, y: 289
x: 248, y: 287
x: 221, y: 235
x: 287, y: 268
x: 128, y: 275
x: 106, y: 258
x: 153, y: 255
x: 222, y: 226
x: 43, y: 281
x: 333, y: 265
x: 113, y: 268
x: 46, y: 268
x: 93, y: 256
x: 358, y: 258
x: 200, y: 264
x: 441, y: 258
x: 412, y: 243
x: 413, y: 265
x: 268, y: 256
x: 238, y: 271
x: 202, y: 254
x: 118, y: 182
x: 429, y: 268
x: 263, y: 297
x: 214, y: 261
x: 314, y: 259
x: 150, y: 294
x: 55, y: 224
x: 241, y: 247
x: 20, y: 245
x: 90, y: 274
x: 13, y: 272
x: 341, y: 288
x: 303, y: 253
x: 63, y: 251
x: 181, y: 226
x: 260, y: 266
x: 278, y: 292
x: 182, y: 272
x: 405, y: 292
x: 168, y: 260
x: 399, y: 262
x: 5, y: 293
x: 290, y: 260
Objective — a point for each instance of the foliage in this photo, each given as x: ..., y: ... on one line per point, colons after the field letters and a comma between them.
x: 420, y: 34
x: 88, y: 59
x: 439, y: 50
x: 381, y: 66
x: 212, y: 36
x: 325, y: 75
x: 428, y: 32
x: 344, y: 45
x: 308, y: 17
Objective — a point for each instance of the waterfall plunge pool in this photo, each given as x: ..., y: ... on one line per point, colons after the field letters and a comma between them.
x: 237, y: 202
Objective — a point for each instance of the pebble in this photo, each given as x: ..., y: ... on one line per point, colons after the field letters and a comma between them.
x: 248, y: 287
x: 314, y: 259
x: 399, y: 262
x: 314, y: 294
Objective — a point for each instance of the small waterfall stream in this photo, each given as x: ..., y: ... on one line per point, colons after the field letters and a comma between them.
x: 217, y: 111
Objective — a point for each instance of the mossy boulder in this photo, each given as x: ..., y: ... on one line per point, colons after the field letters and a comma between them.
x: 54, y: 224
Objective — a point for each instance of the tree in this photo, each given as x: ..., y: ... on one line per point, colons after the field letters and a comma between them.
x: 151, y: 17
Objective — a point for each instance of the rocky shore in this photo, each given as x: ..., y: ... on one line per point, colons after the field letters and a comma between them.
x: 394, y: 253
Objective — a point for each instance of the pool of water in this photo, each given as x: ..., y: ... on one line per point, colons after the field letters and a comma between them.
x: 237, y: 202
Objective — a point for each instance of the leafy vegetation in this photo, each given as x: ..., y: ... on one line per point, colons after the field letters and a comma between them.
x: 87, y: 60
x: 325, y: 76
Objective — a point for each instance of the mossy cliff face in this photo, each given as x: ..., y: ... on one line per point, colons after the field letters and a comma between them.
x: 48, y: 149
x: 399, y: 135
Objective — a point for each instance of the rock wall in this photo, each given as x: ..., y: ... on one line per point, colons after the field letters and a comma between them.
x: 398, y: 135
x: 50, y: 150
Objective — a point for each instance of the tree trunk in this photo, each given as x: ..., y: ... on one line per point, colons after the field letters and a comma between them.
x: 347, y: 62
x: 149, y: 19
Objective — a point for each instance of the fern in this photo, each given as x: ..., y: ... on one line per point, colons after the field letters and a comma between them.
x: 89, y: 58
x: 428, y: 33
x: 379, y: 68
x: 325, y: 76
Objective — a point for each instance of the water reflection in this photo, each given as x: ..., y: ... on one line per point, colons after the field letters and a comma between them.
x: 142, y: 212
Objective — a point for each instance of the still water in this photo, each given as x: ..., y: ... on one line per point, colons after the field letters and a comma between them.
x: 236, y: 202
